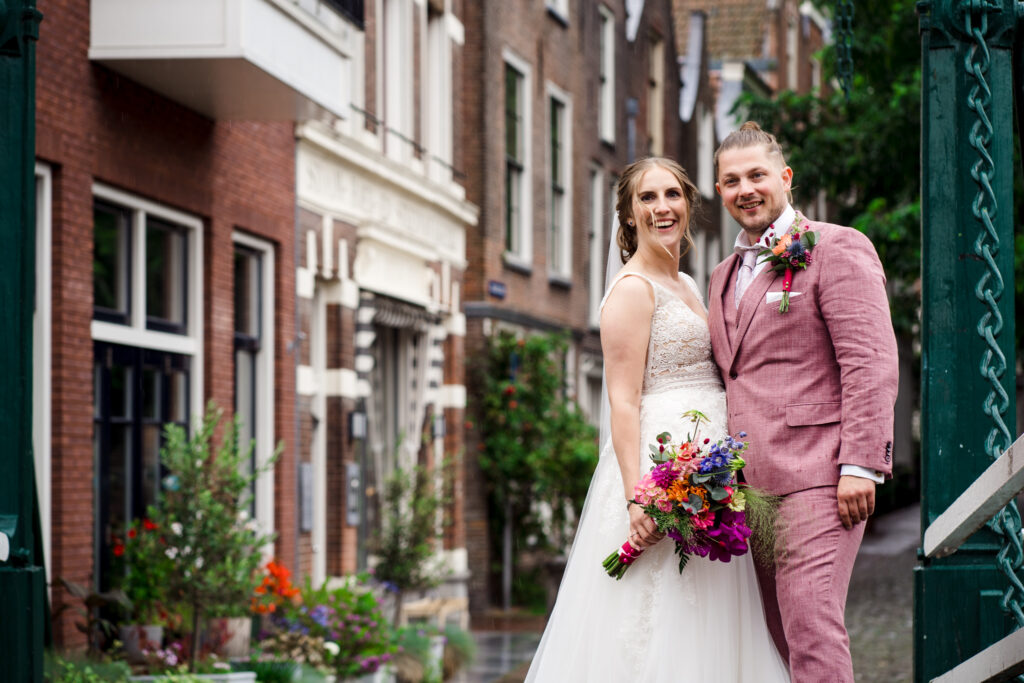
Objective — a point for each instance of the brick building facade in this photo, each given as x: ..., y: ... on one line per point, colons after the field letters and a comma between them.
x: 148, y: 206
x: 382, y: 224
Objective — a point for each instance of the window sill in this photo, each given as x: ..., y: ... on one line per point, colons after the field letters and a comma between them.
x: 557, y: 15
x: 560, y: 281
x: 517, y: 264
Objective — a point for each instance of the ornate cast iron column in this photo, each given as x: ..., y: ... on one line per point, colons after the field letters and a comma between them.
x: 972, y: 599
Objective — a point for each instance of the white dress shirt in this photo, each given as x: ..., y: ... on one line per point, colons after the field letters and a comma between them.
x: 777, y: 229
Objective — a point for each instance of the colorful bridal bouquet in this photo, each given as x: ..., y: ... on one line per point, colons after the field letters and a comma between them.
x: 791, y: 251
x: 692, y: 494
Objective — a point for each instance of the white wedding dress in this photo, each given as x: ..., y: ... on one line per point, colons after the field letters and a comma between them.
x: 655, y: 624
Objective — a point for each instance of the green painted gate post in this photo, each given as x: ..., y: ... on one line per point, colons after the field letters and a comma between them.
x: 23, y: 611
x: 968, y: 383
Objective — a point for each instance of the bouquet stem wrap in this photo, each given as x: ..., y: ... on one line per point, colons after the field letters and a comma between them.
x: 618, y: 562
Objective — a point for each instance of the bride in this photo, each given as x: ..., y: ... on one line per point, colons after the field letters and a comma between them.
x: 655, y: 624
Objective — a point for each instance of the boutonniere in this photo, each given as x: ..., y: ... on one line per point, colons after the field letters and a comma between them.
x: 789, y: 252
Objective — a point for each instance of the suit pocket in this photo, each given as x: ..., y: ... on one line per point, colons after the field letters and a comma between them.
x: 805, y: 414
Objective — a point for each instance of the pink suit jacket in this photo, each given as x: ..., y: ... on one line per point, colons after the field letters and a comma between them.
x: 814, y: 387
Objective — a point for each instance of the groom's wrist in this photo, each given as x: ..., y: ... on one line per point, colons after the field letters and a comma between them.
x: 862, y: 472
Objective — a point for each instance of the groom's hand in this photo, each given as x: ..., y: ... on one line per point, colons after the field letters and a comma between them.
x: 856, y: 499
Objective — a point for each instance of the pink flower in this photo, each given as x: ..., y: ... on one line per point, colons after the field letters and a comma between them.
x: 663, y: 505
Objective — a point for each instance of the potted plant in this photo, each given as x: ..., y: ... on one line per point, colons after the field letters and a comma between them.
x: 337, y: 628
x: 146, y: 567
x: 212, y: 548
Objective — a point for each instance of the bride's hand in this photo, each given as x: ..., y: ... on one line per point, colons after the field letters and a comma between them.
x: 643, y: 532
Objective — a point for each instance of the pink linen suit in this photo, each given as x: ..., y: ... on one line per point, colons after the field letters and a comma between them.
x: 813, y: 388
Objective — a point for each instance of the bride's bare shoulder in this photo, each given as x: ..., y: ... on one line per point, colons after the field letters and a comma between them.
x: 630, y: 300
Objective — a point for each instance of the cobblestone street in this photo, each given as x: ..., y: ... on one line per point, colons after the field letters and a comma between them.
x: 879, y: 612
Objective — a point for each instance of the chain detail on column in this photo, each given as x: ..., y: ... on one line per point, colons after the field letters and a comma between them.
x: 1006, y: 523
x: 843, y: 25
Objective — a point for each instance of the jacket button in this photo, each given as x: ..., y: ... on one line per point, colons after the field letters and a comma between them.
x: 733, y: 375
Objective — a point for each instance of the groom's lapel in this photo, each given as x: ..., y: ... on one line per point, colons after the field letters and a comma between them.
x: 720, y: 336
x: 752, y: 300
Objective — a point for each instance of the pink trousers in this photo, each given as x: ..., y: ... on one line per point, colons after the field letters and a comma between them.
x: 805, y: 596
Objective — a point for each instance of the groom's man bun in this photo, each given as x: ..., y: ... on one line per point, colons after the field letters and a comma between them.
x: 750, y: 134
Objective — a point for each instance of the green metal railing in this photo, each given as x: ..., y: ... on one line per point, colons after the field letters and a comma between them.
x: 968, y: 588
x: 989, y: 290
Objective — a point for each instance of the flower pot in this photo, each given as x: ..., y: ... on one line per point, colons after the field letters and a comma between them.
x: 137, y: 637
x: 238, y: 634
x: 385, y: 674
x: 226, y: 677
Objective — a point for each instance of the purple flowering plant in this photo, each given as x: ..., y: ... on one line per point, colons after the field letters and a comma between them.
x: 347, y: 619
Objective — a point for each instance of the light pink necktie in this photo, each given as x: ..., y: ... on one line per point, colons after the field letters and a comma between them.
x: 745, y: 274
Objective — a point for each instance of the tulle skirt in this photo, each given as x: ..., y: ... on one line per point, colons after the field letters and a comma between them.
x: 655, y: 624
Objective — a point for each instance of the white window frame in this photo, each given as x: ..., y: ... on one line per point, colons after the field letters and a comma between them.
x: 560, y: 262
x: 264, y: 381
x: 42, y: 349
x: 135, y: 333
x: 438, y: 96
x: 792, y: 54
x: 705, y: 151
x: 606, y: 76
x: 598, y: 241
x: 318, y: 455
x: 559, y: 8
x: 523, y: 255
x: 656, y: 96
x: 395, y: 82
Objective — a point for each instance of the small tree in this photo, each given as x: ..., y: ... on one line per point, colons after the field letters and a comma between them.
x: 406, y: 541
x: 209, y: 542
x: 538, y: 450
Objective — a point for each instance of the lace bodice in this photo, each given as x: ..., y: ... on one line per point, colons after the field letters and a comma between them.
x: 679, y: 351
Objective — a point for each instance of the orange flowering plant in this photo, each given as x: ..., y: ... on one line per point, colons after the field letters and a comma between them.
x: 274, y: 589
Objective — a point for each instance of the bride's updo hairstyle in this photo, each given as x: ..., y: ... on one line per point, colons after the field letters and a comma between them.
x: 628, y: 202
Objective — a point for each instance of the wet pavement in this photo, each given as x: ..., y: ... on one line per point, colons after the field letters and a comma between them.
x: 500, y: 655
x: 879, y: 613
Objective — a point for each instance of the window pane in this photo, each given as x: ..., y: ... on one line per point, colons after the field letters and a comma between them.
x: 512, y: 208
x: 120, y: 391
x: 247, y: 293
x: 151, y: 393
x: 119, y: 476
x: 177, y: 397
x: 513, y: 80
x: 110, y: 263
x: 150, y: 464
x: 245, y: 396
x: 165, y: 272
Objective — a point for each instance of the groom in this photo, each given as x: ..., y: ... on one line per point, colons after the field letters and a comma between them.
x: 814, y: 387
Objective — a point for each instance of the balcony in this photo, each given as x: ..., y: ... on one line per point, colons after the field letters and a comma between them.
x: 232, y: 59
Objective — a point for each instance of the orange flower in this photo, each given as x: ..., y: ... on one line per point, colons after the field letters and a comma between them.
x: 781, y: 245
